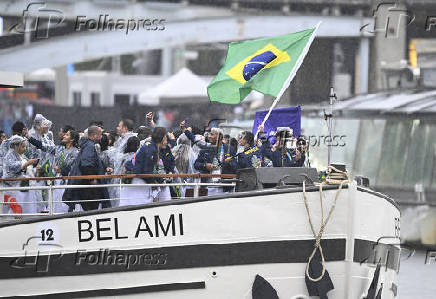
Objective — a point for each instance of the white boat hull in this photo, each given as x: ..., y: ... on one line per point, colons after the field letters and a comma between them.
x: 204, y: 248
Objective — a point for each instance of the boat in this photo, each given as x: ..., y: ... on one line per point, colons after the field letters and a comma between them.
x: 255, y: 242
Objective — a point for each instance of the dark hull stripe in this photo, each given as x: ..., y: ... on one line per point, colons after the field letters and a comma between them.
x: 178, y: 257
x: 373, y: 252
x: 121, y: 291
x: 193, y: 256
x: 195, y: 200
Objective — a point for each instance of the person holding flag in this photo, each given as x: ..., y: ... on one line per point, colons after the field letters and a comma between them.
x: 250, y: 157
x: 59, y: 163
x: 67, y: 153
x: 63, y: 154
x: 64, y: 157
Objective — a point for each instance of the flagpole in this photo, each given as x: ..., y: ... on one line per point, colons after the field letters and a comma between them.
x: 290, y: 77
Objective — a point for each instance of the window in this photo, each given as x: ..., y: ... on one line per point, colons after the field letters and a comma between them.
x: 135, y: 101
x: 121, y: 100
x: 420, y: 163
x: 77, y: 98
x: 95, y: 99
x: 368, y: 151
x: 392, y: 165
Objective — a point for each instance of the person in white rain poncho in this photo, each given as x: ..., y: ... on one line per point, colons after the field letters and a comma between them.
x: 18, y: 128
x: 125, y: 131
x: 15, y: 165
x: 40, y: 132
x: 116, y: 154
x: 64, y: 156
x: 184, y: 157
x: 132, y: 146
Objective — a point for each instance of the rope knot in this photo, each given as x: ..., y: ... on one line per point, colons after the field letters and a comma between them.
x: 339, y: 180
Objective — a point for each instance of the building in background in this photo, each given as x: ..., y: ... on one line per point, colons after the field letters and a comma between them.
x: 362, y: 46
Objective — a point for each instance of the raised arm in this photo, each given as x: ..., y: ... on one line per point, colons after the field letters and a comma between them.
x: 49, y: 148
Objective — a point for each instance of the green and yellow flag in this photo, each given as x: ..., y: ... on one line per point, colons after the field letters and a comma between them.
x: 267, y: 65
x: 61, y: 159
x: 46, y: 169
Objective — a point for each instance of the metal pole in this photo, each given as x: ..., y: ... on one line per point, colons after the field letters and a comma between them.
x: 119, y: 198
x: 363, y: 65
x: 2, y: 199
x: 50, y: 197
x: 196, y: 189
x: 330, y: 124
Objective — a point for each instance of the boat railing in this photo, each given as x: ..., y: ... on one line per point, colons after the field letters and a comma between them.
x: 112, y: 181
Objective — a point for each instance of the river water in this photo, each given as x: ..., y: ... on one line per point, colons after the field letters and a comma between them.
x: 417, y: 280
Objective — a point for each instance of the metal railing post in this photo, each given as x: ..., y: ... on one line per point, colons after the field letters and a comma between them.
x: 50, y: 198
x: 196, y: 189
x: 2, y: 198
x: 119, y: 194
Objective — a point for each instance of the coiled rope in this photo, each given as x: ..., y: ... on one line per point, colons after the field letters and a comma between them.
x: 335, y: 177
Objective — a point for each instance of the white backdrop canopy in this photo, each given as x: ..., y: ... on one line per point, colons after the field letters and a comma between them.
x: 182, y: 85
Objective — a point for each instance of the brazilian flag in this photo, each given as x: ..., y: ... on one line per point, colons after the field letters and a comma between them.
x: 267, y: 65
x: 46, y: 169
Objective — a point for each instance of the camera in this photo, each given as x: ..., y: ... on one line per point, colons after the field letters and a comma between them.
x: 286, y: 138
x: 206, y: 135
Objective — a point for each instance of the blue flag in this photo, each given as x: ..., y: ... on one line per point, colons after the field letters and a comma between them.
x: 280, y: 117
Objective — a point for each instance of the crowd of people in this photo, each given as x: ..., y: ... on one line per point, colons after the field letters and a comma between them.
x: 147, y: 149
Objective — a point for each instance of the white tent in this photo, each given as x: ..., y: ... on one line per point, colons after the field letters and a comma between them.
x: 45, y: 74
x: 182, y: 87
